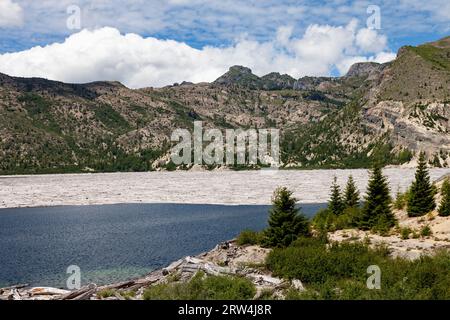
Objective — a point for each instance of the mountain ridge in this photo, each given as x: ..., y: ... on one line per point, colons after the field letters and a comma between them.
x: 376, y: 111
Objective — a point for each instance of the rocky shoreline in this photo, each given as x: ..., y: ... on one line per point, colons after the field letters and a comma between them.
x: 225, y: 259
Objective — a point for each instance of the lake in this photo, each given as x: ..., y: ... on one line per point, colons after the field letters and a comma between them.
x: 116, y: 242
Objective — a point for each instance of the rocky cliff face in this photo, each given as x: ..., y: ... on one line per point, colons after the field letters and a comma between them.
x: 366, y: 70
x: 381, y: 112
x: 410, y: 100
x: 399, y: 108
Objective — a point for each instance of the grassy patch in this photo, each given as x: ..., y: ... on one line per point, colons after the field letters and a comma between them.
x: 249, y: 237
x: 202, y: 287
x: 425, y: 231
x: 106, y: 293
x: 435, y: 55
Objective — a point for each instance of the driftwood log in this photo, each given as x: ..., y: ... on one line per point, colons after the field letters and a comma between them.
x: 19, y: 286
x: 46, y: 291
x: 83, y: 293
x: 120, y: 285
x: 15, y: 295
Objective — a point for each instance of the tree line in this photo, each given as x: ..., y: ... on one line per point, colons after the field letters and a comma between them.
x: 346, y: 209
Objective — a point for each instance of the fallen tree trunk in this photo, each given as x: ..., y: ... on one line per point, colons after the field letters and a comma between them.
x: 86, y: 295
x: 46, y: 291
x: 143, y: 283
x: 80, y: 294
x: 119, y: 296
x: 120, y: 285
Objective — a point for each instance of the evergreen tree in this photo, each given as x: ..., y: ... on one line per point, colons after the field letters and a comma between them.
x: 351, y: 194
x: 444, y: 207
x: 285, y: 222
x: 376, y: 213
x: 421, y: 195
x: 336, y: 204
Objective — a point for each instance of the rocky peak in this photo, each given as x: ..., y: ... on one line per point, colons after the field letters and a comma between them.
x: 276, y: 81
x: 243, y: 76
x: 239, y: 75
x: 240, y: 69
x: 364, y: 69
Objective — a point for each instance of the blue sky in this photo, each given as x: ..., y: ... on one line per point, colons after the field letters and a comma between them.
x: 230, y: 29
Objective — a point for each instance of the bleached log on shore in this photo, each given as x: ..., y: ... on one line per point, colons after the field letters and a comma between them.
x: 193, y: 260
x: 173, y: 266
x: 86, y: 295
x: 15, y: 295
x: 144, y: 282
x: 258, y: 278
x: 120, y: 285
x: 46, y: 291
x: 217, y: 270
x: 119, y: 296
x: 12, y: 294
x: 18, y: 286
x: 193, y: 265
x: 80, y: 294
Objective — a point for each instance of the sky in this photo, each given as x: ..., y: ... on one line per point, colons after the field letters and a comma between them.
x: 159, y: 42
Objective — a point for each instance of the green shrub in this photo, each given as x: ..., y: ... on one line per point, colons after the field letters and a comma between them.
x: 425, y: 231
x: 317, y: 263
x: 400, y: 201
x: 405, y: 232
x: 106, y: 293
x: 349, y: 218
x: 404, y: 156
x: 128, y: 294
x: 340, y: 272
x: 202, y: 287
x: 325, y: 220
x: 303, y: 242
x: 249, y: 237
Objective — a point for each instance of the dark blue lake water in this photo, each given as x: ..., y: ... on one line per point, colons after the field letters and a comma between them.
x: 114, y: 242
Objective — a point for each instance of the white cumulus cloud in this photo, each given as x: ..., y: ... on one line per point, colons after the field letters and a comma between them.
x: 11, y: 14
x: 106, y: 54
x: 370, y: 41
